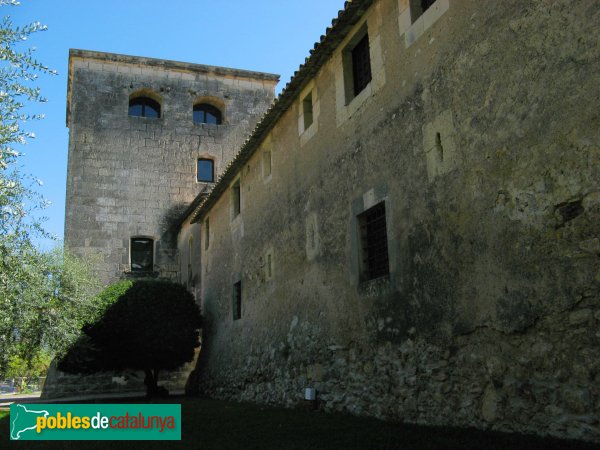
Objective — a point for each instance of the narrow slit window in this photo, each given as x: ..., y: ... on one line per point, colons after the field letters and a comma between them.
x: 307, y: 110
x: 267, y: 163
x: 237, y: 200
x: 190, y: 269
x: 373, y: 239
x: 206, y: 234
x: 237, y: 300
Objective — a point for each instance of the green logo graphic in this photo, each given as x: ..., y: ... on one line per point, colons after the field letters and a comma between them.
x: 23, y: 419
x: 95, y: 422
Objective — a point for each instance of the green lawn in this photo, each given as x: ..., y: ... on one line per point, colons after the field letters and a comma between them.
x: 212, y: 424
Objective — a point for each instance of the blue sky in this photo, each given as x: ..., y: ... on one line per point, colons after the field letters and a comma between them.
x: 263, y: 35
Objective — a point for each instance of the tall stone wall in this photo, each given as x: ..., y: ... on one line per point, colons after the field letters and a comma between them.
x: 480, y: 133
x: 134, y: 176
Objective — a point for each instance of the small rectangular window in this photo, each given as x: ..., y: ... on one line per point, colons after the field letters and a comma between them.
x: 361, y: 65
x: 237, y: 199
x: 418, y: 7
x: 373, y: 243
x: 237, y: 300
x: 142, y: 255
x: 206, y: 170
x: 206, y: 234
x: 307, y: 110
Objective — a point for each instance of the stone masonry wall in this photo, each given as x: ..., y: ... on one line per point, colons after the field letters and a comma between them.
x: 480, y: 133
x: 134, y: 176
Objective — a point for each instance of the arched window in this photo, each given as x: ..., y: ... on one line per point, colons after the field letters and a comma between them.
x: 142, y: 254
x: 205, y: 113
x: 144, y: 107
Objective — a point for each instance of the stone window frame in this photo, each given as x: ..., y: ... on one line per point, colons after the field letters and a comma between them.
x: 347, y: 104
x: 207, y: 109
x: 373, y: 262
x: 359, y: 205
x: 348, y: 63
x: 413, y: 21
x: 308, y: 121
x: 150, y: 238
x: 206, y: 233
x: 236, y: 198
x: 267, y: 164
x: 149, y: 94
x: 190, y: 271
x: 214, y: 172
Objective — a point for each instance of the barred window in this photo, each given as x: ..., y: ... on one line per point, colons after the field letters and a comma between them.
x: 361, y: 65
x: 373, y: 240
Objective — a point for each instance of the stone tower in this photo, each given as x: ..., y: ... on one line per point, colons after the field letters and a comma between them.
x: 146, y: 137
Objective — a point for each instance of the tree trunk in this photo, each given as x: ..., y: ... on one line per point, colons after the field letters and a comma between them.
x: 151, y: 382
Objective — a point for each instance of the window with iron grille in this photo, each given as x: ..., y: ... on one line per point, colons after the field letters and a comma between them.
x: 237, y: 300
x: 361, y: 65
x: 373, y: 240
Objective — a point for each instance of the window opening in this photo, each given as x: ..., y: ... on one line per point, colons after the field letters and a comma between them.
x: 237, y: 200
x: 361, y: 65
x: 205, y: 113
x: 307, y: 110
x: 206, y: 234
x: 237, y: 300
x: 206, y: 170
x: 374, y: 249
x: 142, y: 255
x: 267, y: 163
x: 144, y: 107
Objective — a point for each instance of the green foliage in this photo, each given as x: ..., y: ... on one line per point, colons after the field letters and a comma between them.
x: 148, y: 324
x: 45, y: 300
x: 23, y: 370
x: 18, y: 70
x: 44, y: 297
x: 35, y: 367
